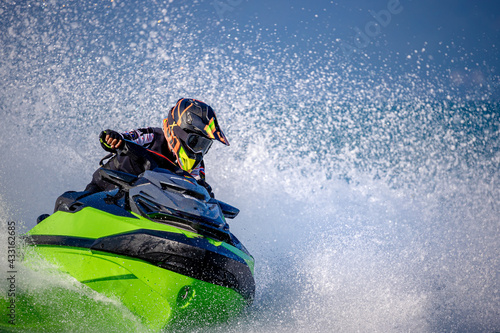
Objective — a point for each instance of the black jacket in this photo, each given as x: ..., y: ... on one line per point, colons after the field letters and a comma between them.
x: 151, y: 138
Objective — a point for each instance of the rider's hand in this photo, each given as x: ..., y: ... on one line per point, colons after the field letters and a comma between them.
x: 111, y: 140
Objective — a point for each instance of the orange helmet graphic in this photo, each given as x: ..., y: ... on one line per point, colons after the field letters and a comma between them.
x: 190, y: 128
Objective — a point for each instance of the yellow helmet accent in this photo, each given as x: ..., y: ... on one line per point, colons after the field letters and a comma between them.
x: 210, y: 128
x: 187, y: 163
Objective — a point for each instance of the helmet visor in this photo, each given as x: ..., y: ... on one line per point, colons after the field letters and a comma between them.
x: 198, y: 144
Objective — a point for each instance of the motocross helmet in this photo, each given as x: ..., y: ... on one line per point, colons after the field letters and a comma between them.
x: 190, y: 128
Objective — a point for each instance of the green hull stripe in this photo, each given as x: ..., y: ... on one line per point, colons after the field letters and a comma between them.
x: 109, y: 278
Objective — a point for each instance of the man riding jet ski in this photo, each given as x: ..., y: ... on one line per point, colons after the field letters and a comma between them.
x: 148, y: 232
x: 186, y: 136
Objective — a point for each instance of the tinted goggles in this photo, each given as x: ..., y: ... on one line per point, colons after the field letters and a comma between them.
x: 198, y: 144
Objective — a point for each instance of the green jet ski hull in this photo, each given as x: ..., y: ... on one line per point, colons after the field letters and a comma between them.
x: 161, y: 290
x: 158, y: 245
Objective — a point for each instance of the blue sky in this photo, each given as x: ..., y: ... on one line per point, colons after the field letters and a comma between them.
x: 458, y: 38
x: 471, y: 26
x: 465, y: 25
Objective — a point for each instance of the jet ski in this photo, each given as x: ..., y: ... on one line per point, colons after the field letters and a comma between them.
x: 158, y: 243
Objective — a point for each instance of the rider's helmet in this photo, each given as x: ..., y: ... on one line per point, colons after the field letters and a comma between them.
x: 190, y: 128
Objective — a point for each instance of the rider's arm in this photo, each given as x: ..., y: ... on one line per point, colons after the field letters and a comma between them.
x: 141, y: 136
x: 111, y: 140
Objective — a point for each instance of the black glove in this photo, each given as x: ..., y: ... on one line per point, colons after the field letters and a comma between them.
x: 113, y: 135
x: 203, y: 183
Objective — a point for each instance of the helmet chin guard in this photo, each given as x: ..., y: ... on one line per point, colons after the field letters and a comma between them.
x: 190, y: 128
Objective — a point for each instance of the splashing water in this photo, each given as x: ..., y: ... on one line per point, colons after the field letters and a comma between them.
x: 369, y: 197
